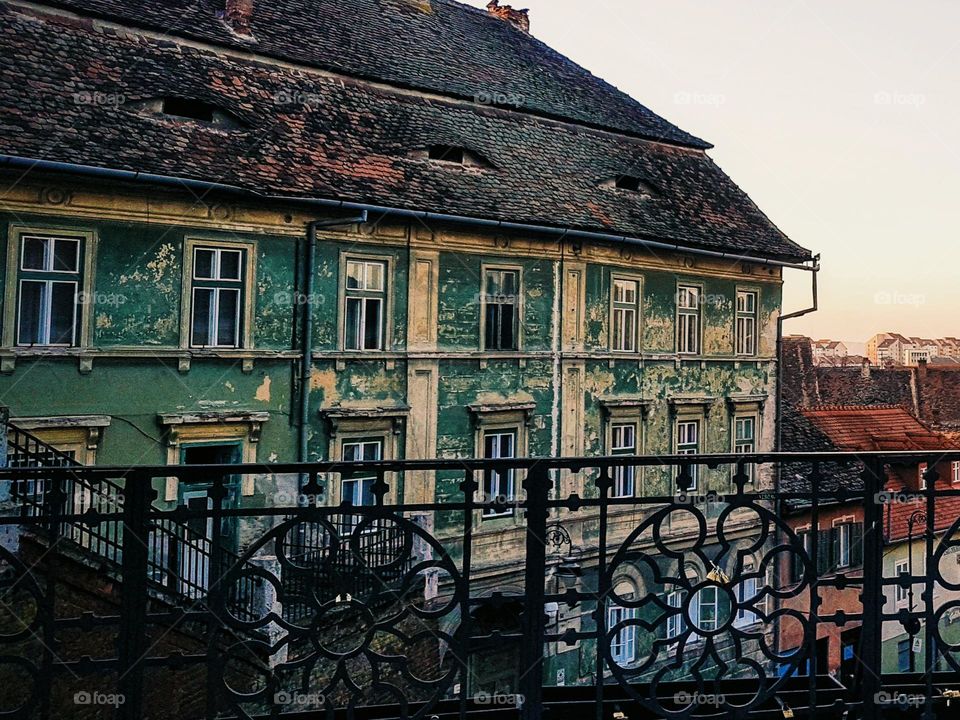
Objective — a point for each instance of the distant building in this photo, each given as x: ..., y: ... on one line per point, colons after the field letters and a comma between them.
x: 824, y: 349
x: 895, y: 349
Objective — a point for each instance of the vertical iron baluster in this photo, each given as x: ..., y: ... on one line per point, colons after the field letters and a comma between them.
x: 537, y: 484
x: 872, y: 601
x: 133, y: 594
x: 603, y: 587
x: 814, y: 583
x: 929, y: 633
x: 469, y: 488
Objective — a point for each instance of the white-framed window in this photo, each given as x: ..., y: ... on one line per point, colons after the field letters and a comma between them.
x: 955, y: 471
x: 623, y: 645
x: 624, y: 336
x: 746, y: 596
x: 217, y: 289
x: 358, y: 491
x: 364, y: 304
x: 745, y: 440
x: 746, y: 330
x: 676, y: 623
x: 707, y: 608
x: 688, y: 443
x: 843, y: 536
x: 688, y: 319
x: 921, y: 476
x: 49, y: 281
x: 501, y: 309
x: 902, y: 594
x: 623, y: 441
x: 498, y: 485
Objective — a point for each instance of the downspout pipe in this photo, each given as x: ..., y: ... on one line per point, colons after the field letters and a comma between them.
x: 306, y: 362
x: 204, y: 186
x: 815, y: 270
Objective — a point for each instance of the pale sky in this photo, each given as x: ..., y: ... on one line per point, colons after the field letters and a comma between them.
x: 840, y: 118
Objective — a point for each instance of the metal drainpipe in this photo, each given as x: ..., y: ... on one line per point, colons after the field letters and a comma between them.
x: 306, y: 363
x: 778, y: 440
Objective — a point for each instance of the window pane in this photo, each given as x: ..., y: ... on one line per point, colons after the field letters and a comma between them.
x: 491, y: 333
x: 62, y: 312
x: 371, y: 321
x: 203, y: 261
x: 354, y: 309
x: 492, y: 285
x: 350, y: 452
x: 32, y: 311
x: 506, y: 446
x: 202, y: 317
x: 366, y: 497
x: 34, y: 253
x: 510, y: 285
x: 374, y: 276
x: 230, y: 264
x: 371, y: 451
x: 66, y: 255
x: 507, y: 339
x: 228, y: 318
x: 354, y: 275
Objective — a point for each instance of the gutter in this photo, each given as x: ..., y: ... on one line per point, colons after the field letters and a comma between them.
x: 168, y: 180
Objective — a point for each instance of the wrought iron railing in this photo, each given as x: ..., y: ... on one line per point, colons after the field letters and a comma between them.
x: 180, y: 559
x: 562, y: 602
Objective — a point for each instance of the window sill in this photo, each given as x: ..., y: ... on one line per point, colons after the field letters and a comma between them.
x: 86, y: 355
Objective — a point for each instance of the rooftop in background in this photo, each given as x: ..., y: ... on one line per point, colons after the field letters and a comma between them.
x: 873, y: 428
x: 343, y: 101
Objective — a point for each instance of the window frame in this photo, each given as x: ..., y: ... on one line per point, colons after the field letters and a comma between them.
x: 753, y: 316
x: 85, y: 276
x: 385, y: 295
x: 715, y: 604
x: 744, y: 617
x: 626, y: 637
x: 737, y: 444
x: 625, y: 475
x: 898, y: 589
x: 636, y: 307
x: 676, y: 623
x: 844, y: 532
x: 248, y: 274
x: 685, y: 312
x: 955, y: 471
x: 697, y: 448
x: 518, y: 334
x: 511, y: 475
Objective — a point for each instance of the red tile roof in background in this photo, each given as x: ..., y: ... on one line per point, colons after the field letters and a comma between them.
x: 875, y: 427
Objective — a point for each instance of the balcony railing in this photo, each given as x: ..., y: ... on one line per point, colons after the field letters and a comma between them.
x: 561, y: 602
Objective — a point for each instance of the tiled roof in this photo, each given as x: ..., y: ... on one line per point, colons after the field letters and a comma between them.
x: 307, y: 133
x: 800, y: 434
x: 451, y: 48
x: 876, y: 427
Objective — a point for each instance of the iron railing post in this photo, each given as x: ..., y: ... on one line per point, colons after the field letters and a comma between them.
x: 537, y: 484
x: 872, y: 599
x: 138, y: 494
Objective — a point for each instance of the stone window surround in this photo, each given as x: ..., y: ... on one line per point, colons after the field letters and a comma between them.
x: 16, y: 231
x: 389, y: 281
x: 82, y: 434
x: 205, y: 427
x: 502, y: 416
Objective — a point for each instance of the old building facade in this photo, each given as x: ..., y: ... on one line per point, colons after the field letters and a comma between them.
x: 239, y: 249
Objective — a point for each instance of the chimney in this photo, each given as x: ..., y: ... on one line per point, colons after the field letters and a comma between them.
x: 520, y: 19
x: 238, y: 14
